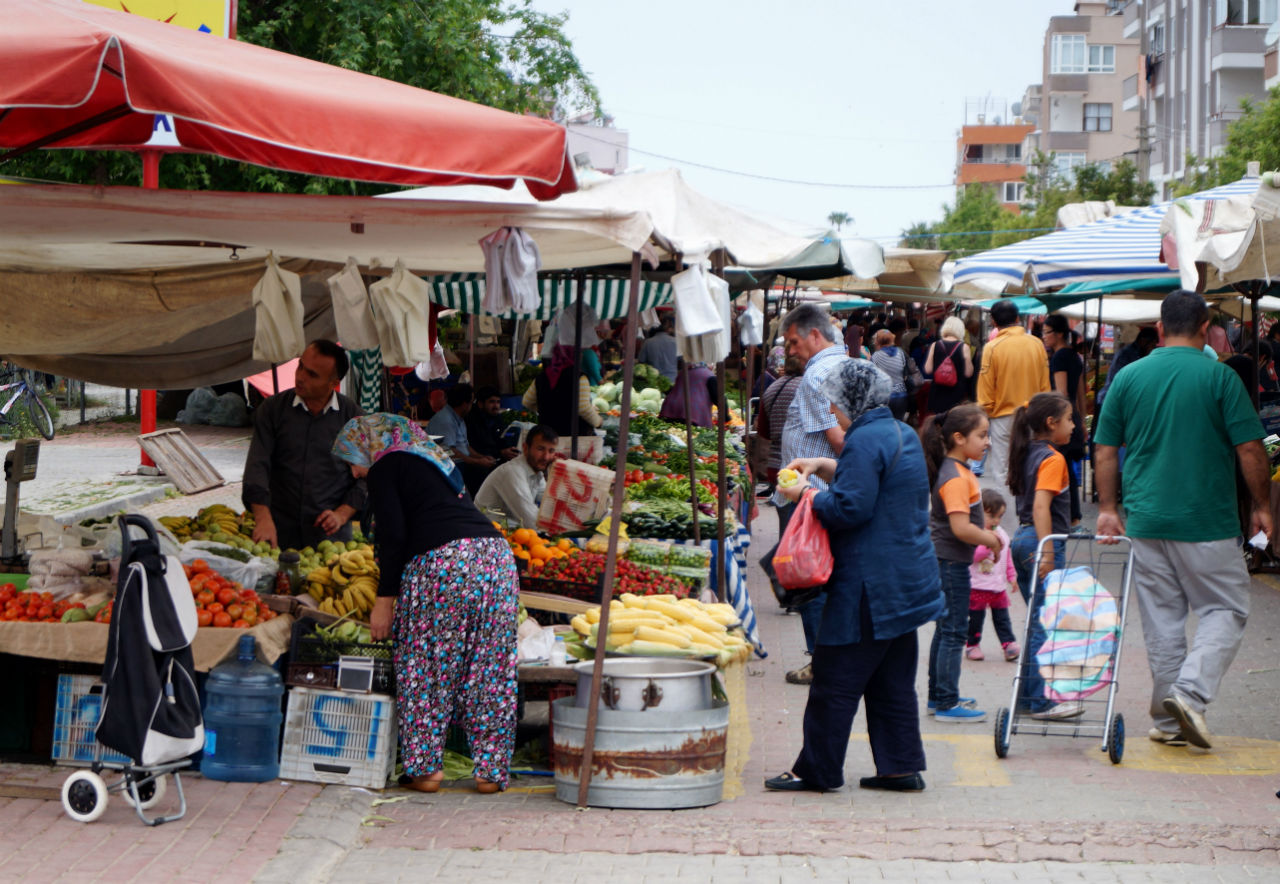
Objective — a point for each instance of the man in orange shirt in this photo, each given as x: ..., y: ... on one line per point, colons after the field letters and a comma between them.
x: 1015, y: 367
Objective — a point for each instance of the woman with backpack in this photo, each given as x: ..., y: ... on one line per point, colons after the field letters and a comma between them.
x: 951, y: 365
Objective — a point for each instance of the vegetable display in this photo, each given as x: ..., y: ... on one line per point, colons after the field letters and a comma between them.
x: 664, y: 626
x: 629, y: 577
x: 224, y: 603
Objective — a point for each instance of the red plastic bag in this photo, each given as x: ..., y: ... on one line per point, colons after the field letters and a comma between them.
x: 803, y: 558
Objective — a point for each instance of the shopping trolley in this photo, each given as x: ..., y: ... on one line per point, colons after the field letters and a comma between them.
x: 1078, y: 661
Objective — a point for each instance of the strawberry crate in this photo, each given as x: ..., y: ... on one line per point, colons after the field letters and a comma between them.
x: 583, y: 592
x: 339, y: 738
x: 76, y: 712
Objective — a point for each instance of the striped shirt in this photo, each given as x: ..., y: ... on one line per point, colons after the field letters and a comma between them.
x: 809, y: 416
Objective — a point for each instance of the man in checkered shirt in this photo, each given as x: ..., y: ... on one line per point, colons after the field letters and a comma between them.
x: 810, y: 431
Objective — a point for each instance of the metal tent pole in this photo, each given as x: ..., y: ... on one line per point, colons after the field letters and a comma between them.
x: 611, y: 558
x: 577, y: 373
x: 693, y: 458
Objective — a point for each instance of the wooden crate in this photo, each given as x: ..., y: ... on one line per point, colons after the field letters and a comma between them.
x: 181, y: 461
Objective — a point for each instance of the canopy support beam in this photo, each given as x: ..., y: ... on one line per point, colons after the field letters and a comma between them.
x: 615, y: 523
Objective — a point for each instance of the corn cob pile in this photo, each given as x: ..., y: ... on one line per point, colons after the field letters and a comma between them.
x: 664, y: 626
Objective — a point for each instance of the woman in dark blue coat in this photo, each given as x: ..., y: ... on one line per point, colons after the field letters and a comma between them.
x: 876, y: 511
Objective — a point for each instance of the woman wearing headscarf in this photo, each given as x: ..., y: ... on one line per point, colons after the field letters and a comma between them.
x: 551, y: 396
x: 876, y: 510
x: 447, y: 595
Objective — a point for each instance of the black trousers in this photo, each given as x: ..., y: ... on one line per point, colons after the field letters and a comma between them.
x: 881, y: 671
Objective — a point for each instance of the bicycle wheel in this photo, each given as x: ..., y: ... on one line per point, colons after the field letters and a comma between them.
x: 40, y: 417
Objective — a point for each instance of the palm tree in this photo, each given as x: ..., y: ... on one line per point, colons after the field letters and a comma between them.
x: 839, y: 219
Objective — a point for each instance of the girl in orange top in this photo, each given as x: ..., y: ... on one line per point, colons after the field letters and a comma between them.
x: 1041, y: 486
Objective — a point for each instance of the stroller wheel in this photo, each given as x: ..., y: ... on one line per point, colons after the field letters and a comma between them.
x: 1115, y: 739
x: 149, y: 792
x: 84, y: 796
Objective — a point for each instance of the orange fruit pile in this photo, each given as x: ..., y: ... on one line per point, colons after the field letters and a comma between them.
x: 529, y: 546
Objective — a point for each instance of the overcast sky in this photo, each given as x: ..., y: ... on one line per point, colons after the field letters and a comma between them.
x: 841, y: 92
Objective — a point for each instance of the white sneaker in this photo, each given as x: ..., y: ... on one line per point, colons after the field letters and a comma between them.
x: 1192, y: 722
x: 1069, y: 709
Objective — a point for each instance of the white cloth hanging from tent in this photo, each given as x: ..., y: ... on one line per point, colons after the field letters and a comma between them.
x: 1217, y: 232
x: 402, y: 311
x: 751, y: 327
x: 351, y: 311
x: 435, y: 367
x: 511, y: 265
x: 277, y: 304
x: 703, y: 319
x: 561, y: 329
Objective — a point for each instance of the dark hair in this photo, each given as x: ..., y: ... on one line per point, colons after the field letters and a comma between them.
x: 897, y: 325
x: 993, y: 501
x: 1004, y: 313
x: 1029, y: 421
x: 341, y: 363
x: 806, y: 318
x: 1148, y: 333
x: 962, y: 419
x: 488, y: 391
x: 792, y: 366
x: 1182, y: 313
x: 458, y: 394
x: 541, y: 431
x: 1057, y: 323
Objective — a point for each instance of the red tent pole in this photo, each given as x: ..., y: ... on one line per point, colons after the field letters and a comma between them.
x: 147, y: 398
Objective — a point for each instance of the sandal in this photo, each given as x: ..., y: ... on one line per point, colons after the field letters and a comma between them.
x: 429, y: 783
x: 487, y: 787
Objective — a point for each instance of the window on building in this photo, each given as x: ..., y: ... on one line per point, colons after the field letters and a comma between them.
x: 1065, y: 163
x: 1067, y: 54
x: 1097, y: 117
x: 1246, y: 12
x: 1155, y: 41
x: 1013, y: 191
x: 1102, y: 59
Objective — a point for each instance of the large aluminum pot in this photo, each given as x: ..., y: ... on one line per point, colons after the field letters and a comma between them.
x: 640, y: 683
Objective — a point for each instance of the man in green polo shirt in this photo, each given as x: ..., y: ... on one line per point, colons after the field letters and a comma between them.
x: 1184, y: 420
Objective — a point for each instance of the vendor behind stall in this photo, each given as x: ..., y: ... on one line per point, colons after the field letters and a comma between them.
x: 551, y: 396
x: 450, y: 424
x: 516, y: 487
x: 298, y: 492
x: 484, y: 429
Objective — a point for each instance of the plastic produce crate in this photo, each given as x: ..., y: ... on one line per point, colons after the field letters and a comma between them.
x: 75, y: 718
x: 339, y: 738
x: 314, y: 663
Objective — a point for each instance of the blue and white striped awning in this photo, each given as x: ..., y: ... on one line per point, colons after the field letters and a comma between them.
x: 608, y: 297
x: 1120, y: 247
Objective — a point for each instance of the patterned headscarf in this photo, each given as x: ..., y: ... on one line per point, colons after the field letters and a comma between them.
x: 855, y: 386
x: 777, y: 358
x: 365, y: 440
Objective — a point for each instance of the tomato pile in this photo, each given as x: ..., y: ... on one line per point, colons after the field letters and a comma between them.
x: 636, y: 579
x: 32, y: 607
x: 632, y: 477
x: 223, y: 602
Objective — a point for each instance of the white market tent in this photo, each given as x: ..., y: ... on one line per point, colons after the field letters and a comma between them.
x: 133, y: 287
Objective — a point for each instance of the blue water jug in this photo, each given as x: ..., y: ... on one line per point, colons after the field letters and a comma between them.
x: 242, y: 719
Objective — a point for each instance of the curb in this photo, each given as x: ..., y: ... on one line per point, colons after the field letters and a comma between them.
x: 104, y: 508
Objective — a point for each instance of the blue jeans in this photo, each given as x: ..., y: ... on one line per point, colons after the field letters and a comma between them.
x: 949, y: 633
x: 810, y: 618
x: 1031, y: 696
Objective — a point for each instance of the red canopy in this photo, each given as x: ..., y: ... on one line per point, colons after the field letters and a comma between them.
x: 77, y: 75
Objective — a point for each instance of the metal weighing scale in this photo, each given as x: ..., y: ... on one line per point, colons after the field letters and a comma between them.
x: 19, y: 466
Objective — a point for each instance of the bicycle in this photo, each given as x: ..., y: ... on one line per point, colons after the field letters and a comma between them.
x: 37, y: 412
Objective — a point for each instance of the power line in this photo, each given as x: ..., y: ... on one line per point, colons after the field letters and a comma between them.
x: 775, y: 179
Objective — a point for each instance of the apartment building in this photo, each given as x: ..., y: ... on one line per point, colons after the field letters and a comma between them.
x: 990, y: 154
x: 1199, y: 59
x: 1078, y: 108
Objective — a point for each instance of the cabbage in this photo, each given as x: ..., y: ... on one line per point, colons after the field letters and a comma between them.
x: 600, y: 404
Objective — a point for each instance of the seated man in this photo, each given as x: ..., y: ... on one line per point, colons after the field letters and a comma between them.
x: 484, y: 430
x: 516, y: 487
x: 450, y: 424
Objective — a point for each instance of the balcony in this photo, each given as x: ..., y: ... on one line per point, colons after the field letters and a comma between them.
x: 1271, y: 67
x: 1132, y: 19
x: 1237, y: 46
x: 1067, y: 83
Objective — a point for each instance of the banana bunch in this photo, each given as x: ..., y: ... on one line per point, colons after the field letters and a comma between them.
x: 347, y: 586
x: 181, y: 527
x: 663, y: 626
x: 219, y: 518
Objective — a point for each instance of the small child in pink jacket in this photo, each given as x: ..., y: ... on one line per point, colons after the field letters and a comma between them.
x: 990, y: 577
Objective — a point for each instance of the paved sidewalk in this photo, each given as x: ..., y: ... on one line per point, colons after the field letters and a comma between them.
x: 1055, y: 810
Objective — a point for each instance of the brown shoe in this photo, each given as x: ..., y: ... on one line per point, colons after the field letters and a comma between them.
x: 803, y: 675
x: 486, y: 787
x: 429, y: 783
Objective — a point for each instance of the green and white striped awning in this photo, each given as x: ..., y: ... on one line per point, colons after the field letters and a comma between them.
x: 608, y: 297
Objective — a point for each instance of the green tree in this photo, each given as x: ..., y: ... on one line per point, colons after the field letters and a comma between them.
x: 1255, y: 135
x: 839, y: 219
x: 501, y: 53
